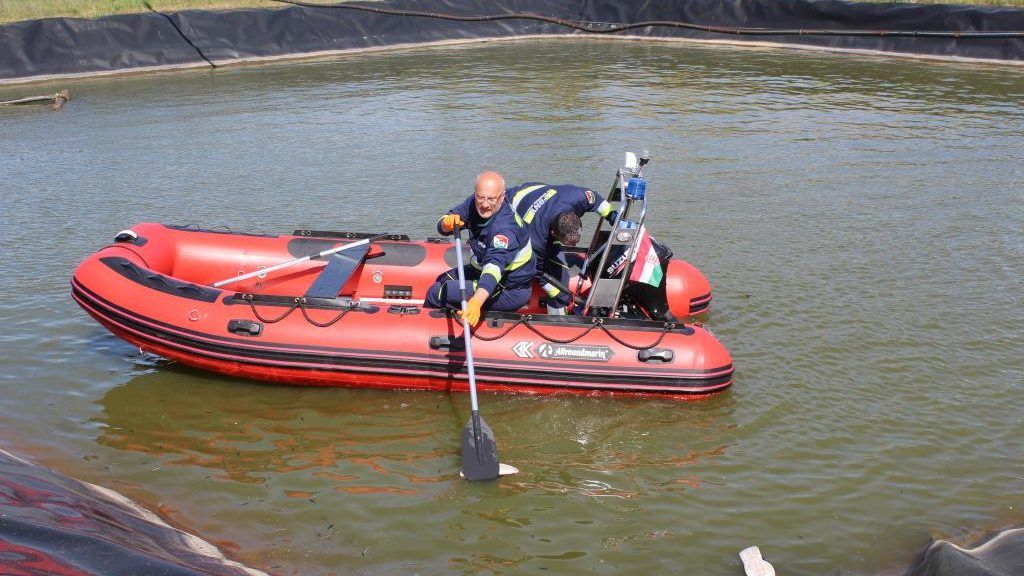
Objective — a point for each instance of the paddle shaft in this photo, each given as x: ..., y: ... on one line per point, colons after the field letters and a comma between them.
x: 479, y: 449
x: 467, y: 336
x: 284, y: 265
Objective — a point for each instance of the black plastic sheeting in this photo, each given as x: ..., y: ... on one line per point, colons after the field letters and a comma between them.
x: 835, y: 17
x: 999, y: 554
x: 63, y: 46
x: 55, y: 525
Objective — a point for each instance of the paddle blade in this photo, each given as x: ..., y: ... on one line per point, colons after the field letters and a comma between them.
x: 479, y: 450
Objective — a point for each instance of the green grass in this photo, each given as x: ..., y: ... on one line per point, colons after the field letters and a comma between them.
x: 15, y: 10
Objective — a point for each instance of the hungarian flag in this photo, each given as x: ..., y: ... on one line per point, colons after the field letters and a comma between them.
x: 646, y: 264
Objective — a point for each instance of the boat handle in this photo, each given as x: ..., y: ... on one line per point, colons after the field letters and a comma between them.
x: 438, y: 342
x: 651, y: 354
x: 245, y: 327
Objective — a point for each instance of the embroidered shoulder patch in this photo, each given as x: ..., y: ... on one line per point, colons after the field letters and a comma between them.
x: 500, y: 241
x: 590, y: 196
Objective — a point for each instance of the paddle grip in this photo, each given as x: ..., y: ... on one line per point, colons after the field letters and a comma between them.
x: 462, y: 279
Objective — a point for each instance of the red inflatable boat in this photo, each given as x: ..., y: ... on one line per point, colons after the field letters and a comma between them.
x: 359, y: 320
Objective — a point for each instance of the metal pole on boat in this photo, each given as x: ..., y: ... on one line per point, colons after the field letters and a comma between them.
x: 284, y: 265
x: 479, y: 449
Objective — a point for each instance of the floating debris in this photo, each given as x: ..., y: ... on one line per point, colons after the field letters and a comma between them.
x: 754, y: 564
x: 56, y: 101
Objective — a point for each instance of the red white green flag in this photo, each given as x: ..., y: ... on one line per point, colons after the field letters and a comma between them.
x: 646, y: 264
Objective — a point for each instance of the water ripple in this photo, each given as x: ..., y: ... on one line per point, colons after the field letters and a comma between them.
x: 860, y: 220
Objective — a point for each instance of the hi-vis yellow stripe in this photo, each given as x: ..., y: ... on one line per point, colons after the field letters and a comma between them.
x: 522, y: 193
x: 493, y: 270
x: 532, y: 212
x: 522, y: 257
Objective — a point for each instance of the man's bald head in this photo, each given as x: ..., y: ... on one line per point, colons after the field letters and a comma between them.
x: 489, y: 193
x: 490, y: 182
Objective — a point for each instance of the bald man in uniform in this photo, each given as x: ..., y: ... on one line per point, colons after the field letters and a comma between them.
x: 502, y: 266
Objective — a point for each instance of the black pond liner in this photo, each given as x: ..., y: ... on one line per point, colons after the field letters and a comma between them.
x: 998, y: 554
x: 55, y: 525
x: 56, y: 47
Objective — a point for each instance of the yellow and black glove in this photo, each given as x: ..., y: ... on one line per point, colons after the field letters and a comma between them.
x: 448, y: 222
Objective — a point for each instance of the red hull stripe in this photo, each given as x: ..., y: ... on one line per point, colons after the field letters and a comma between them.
x: 503, y: 381
x: 261, y: 349
x: 381, y: 362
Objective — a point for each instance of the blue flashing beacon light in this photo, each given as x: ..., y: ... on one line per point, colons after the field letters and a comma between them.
x: 636, y: 188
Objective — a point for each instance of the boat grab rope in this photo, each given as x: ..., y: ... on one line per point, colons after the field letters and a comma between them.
x: 299, y: 303
x: 305, y: 314
x: 668, y: 328
x: 611, y: 27
x: 248, y: 298
x: 525, y: 320
x: 597, y: 323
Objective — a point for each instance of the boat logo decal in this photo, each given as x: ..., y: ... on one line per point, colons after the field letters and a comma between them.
x: 575, y: 352
x: 378, y: 276
x: 616, y: 266
x: 522, y: 349
x: 500, y: 241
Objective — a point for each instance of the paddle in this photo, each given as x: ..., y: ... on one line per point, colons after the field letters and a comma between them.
x: 479, y: 450
x: 284, y: 265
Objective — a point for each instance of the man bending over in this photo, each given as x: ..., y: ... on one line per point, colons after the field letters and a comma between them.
x: 552, y: 215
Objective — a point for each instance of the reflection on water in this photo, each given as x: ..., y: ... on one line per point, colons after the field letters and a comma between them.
x: 196, y: 420
x: 191, y: 419
x: 281, y: 457
x: 859, y: 218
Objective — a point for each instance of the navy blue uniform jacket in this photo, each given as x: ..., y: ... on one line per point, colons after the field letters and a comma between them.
x: 500, y: 244
x: 540, y: 204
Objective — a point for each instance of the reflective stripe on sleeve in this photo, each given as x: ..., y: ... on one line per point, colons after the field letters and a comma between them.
x: 493, y: 270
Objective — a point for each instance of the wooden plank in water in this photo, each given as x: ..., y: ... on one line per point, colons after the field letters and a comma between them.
x: 55, y: 100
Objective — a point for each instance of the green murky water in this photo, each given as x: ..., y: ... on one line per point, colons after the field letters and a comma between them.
x: 860, y: 219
